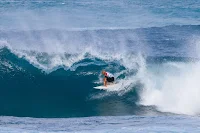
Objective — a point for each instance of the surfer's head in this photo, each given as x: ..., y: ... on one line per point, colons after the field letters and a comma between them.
x: 103, y: 72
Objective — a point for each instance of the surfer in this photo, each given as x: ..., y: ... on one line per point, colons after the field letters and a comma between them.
x: 108, y: 77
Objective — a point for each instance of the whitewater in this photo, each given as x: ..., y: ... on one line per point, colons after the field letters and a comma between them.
x: 52, y: 54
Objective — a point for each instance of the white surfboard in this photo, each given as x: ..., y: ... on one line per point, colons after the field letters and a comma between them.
x: 111, y: 87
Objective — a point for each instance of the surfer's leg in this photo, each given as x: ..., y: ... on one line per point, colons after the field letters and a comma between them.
x: 105, y: 81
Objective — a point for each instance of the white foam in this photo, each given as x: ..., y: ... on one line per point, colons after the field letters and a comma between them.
x: 173, y: 88
x: 49, y: 50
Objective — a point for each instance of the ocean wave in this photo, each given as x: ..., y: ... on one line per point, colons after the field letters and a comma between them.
x: 56, y: 70
x: 146, y: 84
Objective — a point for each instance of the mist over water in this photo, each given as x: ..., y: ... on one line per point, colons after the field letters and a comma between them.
x: 87, y: 14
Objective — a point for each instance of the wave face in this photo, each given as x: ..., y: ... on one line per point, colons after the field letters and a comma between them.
x: 51, y: 73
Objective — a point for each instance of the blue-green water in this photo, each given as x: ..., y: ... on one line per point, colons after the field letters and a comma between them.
x: 52, y: 54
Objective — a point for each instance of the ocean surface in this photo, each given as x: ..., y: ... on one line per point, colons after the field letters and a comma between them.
x: 52, y: 54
